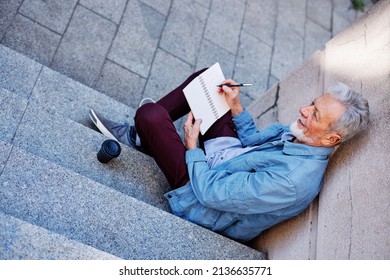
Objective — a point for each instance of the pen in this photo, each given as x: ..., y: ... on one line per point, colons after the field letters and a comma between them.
x: 234, y: 85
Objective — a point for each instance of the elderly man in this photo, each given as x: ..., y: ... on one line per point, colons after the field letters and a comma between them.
x: 241, y: 181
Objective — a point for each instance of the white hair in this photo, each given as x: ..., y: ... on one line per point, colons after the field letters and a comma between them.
x: 356, y: 115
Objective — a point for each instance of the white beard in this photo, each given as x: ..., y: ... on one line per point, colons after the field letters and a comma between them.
x: 299, y: 134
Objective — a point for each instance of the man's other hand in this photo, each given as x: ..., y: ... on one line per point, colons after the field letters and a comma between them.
x: 191, y: 131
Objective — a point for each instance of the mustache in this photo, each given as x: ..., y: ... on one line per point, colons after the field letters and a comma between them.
x: 299, y: 133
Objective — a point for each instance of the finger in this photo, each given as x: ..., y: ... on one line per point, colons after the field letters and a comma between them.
x: 196, y: 127
x: 229, y: 81
x: 197, y: 123
x: 227, y: 90
x: 190, y: 119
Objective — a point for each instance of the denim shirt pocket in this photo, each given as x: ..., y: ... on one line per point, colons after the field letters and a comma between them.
x: 185, y: 205
x: 226, y: 220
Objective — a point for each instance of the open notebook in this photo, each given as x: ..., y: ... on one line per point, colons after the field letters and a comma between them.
x: 203, y: 97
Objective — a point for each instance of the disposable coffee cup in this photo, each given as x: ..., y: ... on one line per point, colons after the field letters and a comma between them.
x: 109, y: 150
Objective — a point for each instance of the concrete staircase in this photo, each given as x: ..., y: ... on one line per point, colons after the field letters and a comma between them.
x: 58, y: 202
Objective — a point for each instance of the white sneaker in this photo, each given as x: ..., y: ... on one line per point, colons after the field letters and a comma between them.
x: 146, y: 100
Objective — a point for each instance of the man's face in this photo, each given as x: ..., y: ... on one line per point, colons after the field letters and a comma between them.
x: 312, y: 128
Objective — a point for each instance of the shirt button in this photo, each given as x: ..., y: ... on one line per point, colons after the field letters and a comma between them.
x: 169, y: 196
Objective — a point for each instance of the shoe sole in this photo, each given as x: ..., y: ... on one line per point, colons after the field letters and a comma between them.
x: 146, y: 100
x: 100, y: 125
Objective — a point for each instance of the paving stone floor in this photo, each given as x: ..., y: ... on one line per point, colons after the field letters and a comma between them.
x: 130, y: 49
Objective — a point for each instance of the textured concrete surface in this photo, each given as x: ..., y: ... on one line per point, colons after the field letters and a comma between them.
x: 350, y: 219
x: 11, y: 113
x: 18, y: 74
x: 75, y: 147
x: 130, y: 49
x: 5, y: 150
x: 16, y: 244
x: 291, y: 239
x: 354, y: 218
x: 64, y: 96
x: 53, y: 160
x: 42, y: 193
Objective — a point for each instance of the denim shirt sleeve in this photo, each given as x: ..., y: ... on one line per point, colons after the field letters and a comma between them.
x: 245, y: 127
x: 238, y: 192
x: 249, y: 134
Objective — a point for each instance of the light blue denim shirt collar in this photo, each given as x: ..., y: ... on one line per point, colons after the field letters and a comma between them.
x: 291, y: 148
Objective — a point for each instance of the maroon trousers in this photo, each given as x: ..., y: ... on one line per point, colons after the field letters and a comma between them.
x: 159, y: 138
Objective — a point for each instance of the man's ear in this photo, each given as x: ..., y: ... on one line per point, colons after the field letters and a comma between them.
x: 331, y: 140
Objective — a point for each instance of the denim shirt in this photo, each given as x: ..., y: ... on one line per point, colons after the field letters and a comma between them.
x: 247, y: 194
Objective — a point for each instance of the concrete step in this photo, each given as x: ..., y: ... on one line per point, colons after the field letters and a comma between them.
x: 20, y: 240
x: 70, y: 144
x: 12, y: 108
x: 18, y: 73
x: 55, y: 138
x: 50, y: 196
x: 45, y: 115
x: 47, y: 128
x: 62, y: 95
x: 56, y: 92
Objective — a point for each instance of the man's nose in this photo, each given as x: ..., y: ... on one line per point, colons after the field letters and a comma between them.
x: 304, y: 111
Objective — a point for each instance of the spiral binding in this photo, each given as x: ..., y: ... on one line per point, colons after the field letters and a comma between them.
x: 208, y: 97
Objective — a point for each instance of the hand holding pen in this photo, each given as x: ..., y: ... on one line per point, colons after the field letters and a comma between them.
x: 231, y: 89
